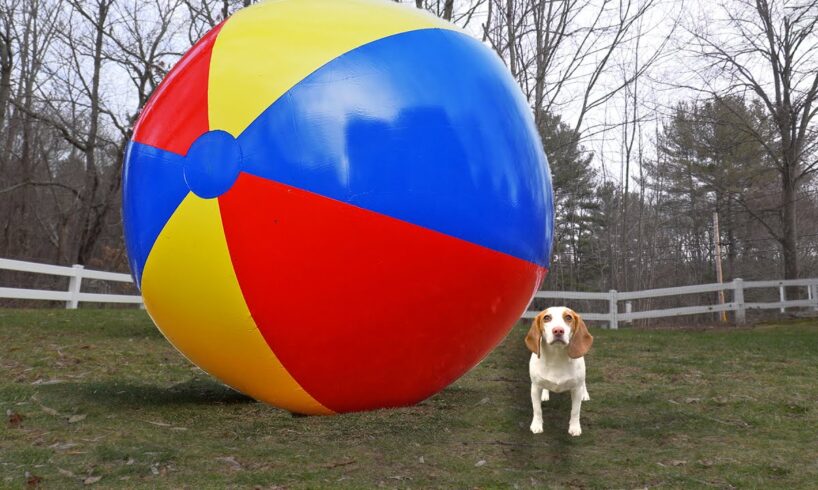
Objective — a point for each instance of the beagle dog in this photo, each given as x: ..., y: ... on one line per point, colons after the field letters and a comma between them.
x: 558, y: 339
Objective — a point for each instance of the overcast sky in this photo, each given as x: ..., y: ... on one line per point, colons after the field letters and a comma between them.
x: 658, y: 91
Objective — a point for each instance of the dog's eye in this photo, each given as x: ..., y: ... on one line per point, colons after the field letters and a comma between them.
x: 546, y: 318
x: 568, y: 318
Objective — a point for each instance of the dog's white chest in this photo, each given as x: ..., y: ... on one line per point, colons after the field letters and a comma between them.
x: 557, y: 377
x: 556, y: 384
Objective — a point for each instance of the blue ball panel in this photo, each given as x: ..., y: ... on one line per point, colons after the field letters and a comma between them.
x: 153, y: 186
x: 425, y: 126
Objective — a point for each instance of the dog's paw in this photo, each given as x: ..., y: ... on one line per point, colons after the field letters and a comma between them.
x: 574, y: 430
x: 585, y: 397
x: 536, y: 427
x: 545, y: 396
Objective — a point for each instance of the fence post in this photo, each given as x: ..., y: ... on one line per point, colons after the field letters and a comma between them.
x: 738, y: 300
x: 628, y: 311
x: 783, y: 297
x: 814, y: 295
x: 613, y: 310
x: 74, y: 286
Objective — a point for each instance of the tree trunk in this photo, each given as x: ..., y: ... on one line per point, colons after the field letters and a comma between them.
x: 731, y: 240
x: 448, y: 9
x: 512, y: 38
x: 789, y: 228
x: 5, y: 75
x: 89, y: 224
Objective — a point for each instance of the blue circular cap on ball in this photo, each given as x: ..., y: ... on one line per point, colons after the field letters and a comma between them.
x: 212, y: 164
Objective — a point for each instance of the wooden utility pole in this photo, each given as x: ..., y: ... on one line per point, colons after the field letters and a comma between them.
x: 719, y: 275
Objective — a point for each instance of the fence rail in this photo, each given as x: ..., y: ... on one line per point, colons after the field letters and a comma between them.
x: 74, y: 295
x: 738, y: 286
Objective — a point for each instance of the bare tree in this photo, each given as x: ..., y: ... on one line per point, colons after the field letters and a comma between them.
x: 206, y: 14
x: 33, y: 29
x: 563, y: 51
x: 6, y: 58
x: 86, y: 48
x: 769, y: 49
x: 143, y: 44
x: 71, y: 102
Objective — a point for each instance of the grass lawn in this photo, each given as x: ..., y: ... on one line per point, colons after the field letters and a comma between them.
x: 98, y: 397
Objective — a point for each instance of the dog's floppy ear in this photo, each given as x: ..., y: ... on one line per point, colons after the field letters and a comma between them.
x: 581, y: 339
x: 534, y: 337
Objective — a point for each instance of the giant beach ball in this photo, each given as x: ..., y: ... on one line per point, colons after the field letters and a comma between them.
x: 337, y: 205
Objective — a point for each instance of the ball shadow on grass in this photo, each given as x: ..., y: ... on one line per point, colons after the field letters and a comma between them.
x: 126, y: 394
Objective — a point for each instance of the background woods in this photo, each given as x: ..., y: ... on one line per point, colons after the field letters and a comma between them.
x: 654, y: 115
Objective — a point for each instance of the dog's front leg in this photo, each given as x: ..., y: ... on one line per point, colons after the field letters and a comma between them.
x: 536, y: 402
x: 576, y: 403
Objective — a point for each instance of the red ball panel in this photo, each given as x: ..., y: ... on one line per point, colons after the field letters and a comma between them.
x: 408, y: 309
x: 176, y: 114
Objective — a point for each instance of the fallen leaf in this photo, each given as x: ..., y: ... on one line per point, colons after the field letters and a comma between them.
x: 91, y: 480
x: 336, y: 464
x: 677, y: 462
x: 76, y: 418
x: 421, y: 460
x: 33, y: 481
x: 50, y: 411
x: 154, y: 469
x: 66, y: 473
x: 480, y: 463
x: 62, y: 446
x: 158, y: 424
x: 231, y: 460
x: 41, y: 381
x: 14, y: 419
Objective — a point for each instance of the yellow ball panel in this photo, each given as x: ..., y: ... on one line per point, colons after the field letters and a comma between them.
x: 264, y: 50
x: 191, y: 292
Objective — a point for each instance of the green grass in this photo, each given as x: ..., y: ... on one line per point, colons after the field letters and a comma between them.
x: 104, y: 396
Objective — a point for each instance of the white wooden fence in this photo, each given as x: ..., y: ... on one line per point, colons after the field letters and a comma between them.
x: 74, y: 295
x: 613, y: 316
